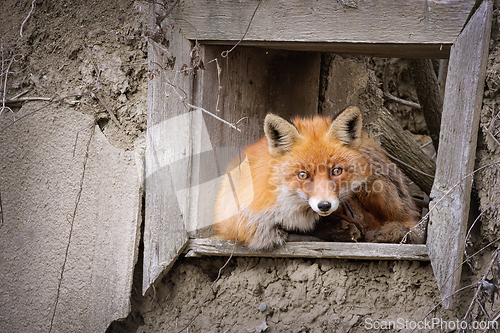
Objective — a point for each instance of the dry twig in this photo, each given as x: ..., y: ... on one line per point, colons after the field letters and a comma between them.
x: 219, y: 72
x: 492, y: 129
x: 188, y: 105
x: 441, y: 302
x: 224, y: 54
x: 492, y: 136
x: 18, y: 101
x: 1, y: 211
x: 426, y: 216
x: 111, y: 114
x: 469, y: 257
x: 385, y: 89
x: 481, y: 286
x: 27, y: 17
x: 41, y: 108
x: 5, y: 85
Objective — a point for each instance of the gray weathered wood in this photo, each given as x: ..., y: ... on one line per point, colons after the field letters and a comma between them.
x: 456, y: 154
x: 368, y: 251
x: 164, y: 229
x: 406, y: 28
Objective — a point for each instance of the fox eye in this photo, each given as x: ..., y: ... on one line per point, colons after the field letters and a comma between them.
x: 336, y: 171
x: 302, y: 175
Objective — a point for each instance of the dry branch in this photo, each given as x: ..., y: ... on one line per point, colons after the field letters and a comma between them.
x: 387, y: 94
x: 27, y: 17
x: 429, y: 97
x: 403, y: 151
x: 1, y: 211
x: 5, y: 84
x: 17, y: 102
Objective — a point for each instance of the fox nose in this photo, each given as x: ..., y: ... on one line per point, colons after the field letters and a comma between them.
x: 324, y: 206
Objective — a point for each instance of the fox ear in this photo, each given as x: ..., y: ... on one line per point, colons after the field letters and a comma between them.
x: 347, y: 126
x: 280, y: 133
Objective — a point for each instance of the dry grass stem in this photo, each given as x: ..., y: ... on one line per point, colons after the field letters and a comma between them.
x: 179, y: 90
x: 224, y: 54
x: 1, y: 211
x: 27, y: 17
x: 5, y: 86
x: 111, y: 114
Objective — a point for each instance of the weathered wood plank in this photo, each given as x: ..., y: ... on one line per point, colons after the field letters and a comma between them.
x: 456, y: 154
x: 164, y: 229
x: 430, y: 26
x: 367, y: 251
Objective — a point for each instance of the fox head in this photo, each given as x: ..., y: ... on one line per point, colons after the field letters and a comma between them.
x: 317, y: 160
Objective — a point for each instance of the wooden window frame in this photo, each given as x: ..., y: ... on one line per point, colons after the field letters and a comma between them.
x: 458, y: 30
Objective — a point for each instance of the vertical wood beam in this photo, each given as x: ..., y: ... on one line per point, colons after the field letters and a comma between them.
x: 168, y: 89
x: 457, y: 152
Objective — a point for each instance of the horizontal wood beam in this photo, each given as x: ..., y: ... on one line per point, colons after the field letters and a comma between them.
x: 382, y: 27
x: 366, y: 251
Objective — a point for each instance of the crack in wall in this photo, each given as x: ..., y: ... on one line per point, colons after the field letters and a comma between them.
x: 72, y: 222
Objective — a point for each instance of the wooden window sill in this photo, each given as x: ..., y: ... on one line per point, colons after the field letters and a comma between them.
x: 365, y: 251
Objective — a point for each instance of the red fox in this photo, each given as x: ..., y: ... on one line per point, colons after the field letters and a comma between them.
x: 312, y: 169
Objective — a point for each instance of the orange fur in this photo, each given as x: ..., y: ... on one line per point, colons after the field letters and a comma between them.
x: 314, y: 169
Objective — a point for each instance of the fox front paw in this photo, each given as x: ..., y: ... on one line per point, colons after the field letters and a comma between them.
x: 392, y: 232
x: 338, y: 228
x: 268, y: 239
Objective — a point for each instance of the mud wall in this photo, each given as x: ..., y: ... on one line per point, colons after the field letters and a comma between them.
x: 70, y: 174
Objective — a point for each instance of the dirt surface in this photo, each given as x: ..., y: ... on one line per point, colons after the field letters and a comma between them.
x: 289, y: 295
x: 487, y: 182
x: 91, y: 56
x: 91, y: 53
